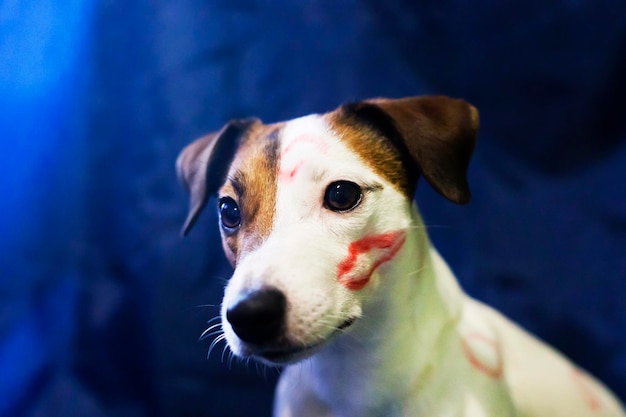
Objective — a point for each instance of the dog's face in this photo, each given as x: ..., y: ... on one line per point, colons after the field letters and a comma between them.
x: 304, y: 199
x: 314, y: 210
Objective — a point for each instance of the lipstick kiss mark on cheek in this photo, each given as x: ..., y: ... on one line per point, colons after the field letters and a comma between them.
x: 366, y: 255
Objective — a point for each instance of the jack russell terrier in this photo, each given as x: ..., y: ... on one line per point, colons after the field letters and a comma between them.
x: 335, y: 275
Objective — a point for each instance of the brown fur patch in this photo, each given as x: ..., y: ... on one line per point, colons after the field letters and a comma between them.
x: 431, y: 136
x: 375, y: 150
x: 251, y: 181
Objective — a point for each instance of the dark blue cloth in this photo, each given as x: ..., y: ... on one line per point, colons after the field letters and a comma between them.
x: 101, y: 302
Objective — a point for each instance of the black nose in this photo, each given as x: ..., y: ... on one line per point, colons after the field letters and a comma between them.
x: 259, y: 318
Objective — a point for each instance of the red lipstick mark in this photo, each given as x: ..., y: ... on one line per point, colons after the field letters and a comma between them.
x: 288, y: 174
x: 308, y: 139
x: 492, y: 370
x: 586, y: 389
x: 390, y: 243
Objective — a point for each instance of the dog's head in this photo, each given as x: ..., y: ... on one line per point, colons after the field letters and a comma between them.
x: 313, y: 210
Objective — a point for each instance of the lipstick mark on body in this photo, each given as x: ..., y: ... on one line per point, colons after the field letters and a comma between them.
x: 484, y: 354
x: 389, y: 244
x: 288, y: 173
x: 591, y: 398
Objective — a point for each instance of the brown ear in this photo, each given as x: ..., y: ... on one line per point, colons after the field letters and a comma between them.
x: 203, y: 164
x: 437, y: 132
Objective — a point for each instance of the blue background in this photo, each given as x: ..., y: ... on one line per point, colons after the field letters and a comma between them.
x: 101, y: 301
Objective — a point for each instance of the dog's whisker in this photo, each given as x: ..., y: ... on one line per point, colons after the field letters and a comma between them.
x: 220, y: 278
x: 301, y: 366
x: 207, y: 305
x: 201, y: 306
x: 231, y: 358
x: 215, y: 342
x: 214, y: 325
x: 206, y: 335
x: 214, y: 319
x: 226, y: 349
x: 210, y: 331
x: 262, y: 369
x: 419, y: 270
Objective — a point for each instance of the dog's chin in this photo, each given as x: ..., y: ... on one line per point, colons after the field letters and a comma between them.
x: 295, y: 353
x: 288, y: 356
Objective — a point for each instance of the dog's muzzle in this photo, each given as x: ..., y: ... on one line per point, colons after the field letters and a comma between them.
x: 259, y: 320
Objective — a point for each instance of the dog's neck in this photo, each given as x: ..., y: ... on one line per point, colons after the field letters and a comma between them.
x: 411, y: 315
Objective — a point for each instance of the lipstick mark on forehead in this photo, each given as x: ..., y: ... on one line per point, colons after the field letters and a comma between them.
x: 288, y: 168
x: 366, y: 255
x: 288, y: 174
x: 305, y: 139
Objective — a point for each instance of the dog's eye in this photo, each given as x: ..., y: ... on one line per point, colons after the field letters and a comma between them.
x: 230, y: 215
x: 342, y: 196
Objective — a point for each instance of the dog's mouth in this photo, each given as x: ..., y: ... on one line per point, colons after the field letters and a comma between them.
x: 292, y: 354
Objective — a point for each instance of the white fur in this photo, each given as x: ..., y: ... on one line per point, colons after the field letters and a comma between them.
x: 408, y: 352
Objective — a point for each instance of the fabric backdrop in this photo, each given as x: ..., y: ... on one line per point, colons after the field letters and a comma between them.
x: 101, y: 301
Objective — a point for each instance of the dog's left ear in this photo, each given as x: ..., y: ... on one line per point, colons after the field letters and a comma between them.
x: 438, y: 133
x: 203, y: 164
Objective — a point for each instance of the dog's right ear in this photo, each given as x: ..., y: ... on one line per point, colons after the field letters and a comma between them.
x: 436, y: 133
x: 203, y: 164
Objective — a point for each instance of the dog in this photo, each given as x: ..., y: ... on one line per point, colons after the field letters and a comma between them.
x: 335, y: 277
